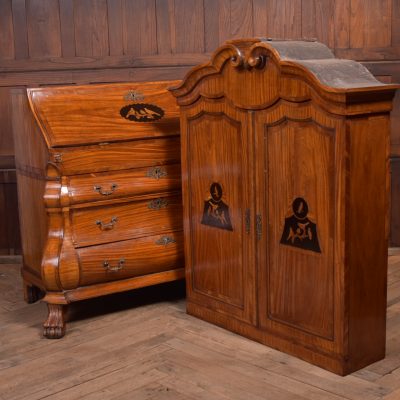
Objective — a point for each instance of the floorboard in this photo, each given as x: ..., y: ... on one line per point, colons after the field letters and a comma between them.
x: 142, y: 345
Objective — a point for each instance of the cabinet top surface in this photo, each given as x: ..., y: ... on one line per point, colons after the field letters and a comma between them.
x: 276, y: 69
x: 86, y: 114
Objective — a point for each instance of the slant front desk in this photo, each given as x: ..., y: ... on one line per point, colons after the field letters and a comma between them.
x: 99, y: 191
x: 285, y: 191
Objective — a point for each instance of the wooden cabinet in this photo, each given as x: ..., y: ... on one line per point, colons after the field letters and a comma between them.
x: 285, y: 190
x: 98, y: 170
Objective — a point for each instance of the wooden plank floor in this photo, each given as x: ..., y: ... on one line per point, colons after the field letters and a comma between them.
x: 142, y: 345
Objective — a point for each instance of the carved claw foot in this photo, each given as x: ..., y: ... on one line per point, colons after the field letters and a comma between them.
x: 32, y: 293
x: 54, y: 326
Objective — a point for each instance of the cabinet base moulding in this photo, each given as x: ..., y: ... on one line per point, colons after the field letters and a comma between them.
x: 337, y: 365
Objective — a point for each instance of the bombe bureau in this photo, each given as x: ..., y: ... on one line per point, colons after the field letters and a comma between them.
x: 98, y: 170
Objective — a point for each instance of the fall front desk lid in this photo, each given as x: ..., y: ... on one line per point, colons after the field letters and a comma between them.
x: 89, y: 114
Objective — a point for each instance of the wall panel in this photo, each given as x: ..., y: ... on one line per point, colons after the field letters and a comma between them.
x: 43, y: 27
x: 7, y: 34
x: 341, y: 24
x: 67, y: 29
x: 9, y: 224
x: 189, y: 26
x: 395, y: 31
x: 91, y: 28
x: 241, y: 18
x: 139, y: 26
x: 19, y: 29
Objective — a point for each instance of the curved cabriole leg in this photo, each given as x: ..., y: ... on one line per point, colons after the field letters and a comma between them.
x: 54, y: 326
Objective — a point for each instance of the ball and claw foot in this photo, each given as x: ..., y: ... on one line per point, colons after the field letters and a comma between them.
x: 54, y: 326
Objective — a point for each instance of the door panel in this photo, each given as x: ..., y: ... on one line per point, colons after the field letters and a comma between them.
x: 300, y: 167
x: 218, y: 197
x: 298, y: 187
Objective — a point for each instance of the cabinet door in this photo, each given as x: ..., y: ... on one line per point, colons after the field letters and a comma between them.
x: 299, y: 192
x: 217, y: 202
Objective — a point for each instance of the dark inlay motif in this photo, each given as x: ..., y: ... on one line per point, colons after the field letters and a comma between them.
x: 141, y: 112
x: 299, y: 231
x: 216, y: 212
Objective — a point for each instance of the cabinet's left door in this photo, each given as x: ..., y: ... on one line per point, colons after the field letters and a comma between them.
x: 218, y: 223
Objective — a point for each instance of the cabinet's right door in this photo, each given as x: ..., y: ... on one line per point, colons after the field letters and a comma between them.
x: 300, y: 153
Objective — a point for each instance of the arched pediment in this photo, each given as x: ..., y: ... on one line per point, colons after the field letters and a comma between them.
x: 256, y: 73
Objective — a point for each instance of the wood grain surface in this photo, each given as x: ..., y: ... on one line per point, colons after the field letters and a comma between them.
x: 96, y: 225
x: 100, y: 108
x: 216, y: 151
x: 300, y: 162
x: 86, y: 188
x: 140, y: 257
x: 116, y: 156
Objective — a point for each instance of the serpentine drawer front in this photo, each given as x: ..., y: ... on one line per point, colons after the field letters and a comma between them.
x: 134, y: 182
x: 99, y: 191
x: 116, y: 156
x: 130, y: 258
x: 123, y: 221
x: 285, y: 200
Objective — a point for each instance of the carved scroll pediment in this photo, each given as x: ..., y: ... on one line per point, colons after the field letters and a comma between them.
x: 254, y: 74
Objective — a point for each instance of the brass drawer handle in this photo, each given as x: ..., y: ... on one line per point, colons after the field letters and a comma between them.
x: 156, y: 204
x: 100, y: 190
x: 118, y: 267
x: 107, y: 226
x: 156, y: 173
x: 165, y: 240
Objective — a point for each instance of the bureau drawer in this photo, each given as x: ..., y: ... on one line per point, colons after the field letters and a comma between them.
x: 117, y: 156
x: 112, y: 185
x: 107, y: 224
x: 131, y: 258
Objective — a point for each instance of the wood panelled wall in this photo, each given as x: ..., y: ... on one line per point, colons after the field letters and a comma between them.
x: 82, y: 41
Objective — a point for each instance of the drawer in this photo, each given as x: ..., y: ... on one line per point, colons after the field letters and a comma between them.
x: 107, y: 224
x: 130, y: 258
x: 113, y: 185
x: 117, y: 156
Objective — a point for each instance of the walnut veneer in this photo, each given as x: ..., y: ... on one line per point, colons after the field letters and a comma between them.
x: 98, y: 170
x: 285, y: 155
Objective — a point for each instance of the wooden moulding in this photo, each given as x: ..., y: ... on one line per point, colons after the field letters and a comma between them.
x: 55, y: 325
x: 340, y: 84
x: 89, y: 292
x: 285, y: 154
